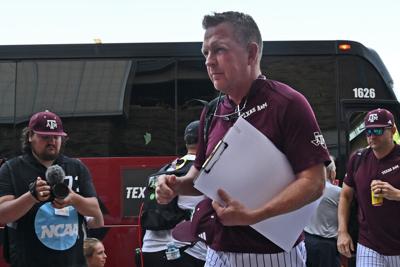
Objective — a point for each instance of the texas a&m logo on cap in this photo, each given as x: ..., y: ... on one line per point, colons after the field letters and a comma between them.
x: 46, y: 123
x: 379, y: 118
x: 372, y: 117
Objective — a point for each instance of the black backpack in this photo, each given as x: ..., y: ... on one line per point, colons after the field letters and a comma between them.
x: 156, y: 216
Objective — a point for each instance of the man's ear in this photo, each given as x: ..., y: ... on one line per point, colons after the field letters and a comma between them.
x: 252, y: 49
x: 394, y: 129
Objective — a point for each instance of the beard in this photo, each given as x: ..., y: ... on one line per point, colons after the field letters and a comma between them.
x: 46, y: 155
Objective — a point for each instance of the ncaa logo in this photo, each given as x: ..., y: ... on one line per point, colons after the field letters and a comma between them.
x: 57, y: 232
x: 52, y: 124
x: 372, y: 117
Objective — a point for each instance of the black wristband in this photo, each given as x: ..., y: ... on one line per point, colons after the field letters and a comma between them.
x: 32, y: 190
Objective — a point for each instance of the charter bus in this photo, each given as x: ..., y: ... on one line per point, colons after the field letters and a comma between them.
x: 125, y: 107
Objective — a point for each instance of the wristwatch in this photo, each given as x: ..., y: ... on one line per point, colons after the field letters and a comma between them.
x: 32, y: 190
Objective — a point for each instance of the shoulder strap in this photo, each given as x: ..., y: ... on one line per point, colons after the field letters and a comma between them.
x: 12, y: 177
x: 163, y: 170
x: 211, y: 107
x: 2, y: 160
x: 360, y: 154
x: 354, y: 207
x: 183, y: 165
x: 181, y: 171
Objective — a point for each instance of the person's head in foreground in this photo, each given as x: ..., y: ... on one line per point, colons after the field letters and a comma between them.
x: 94, y: 252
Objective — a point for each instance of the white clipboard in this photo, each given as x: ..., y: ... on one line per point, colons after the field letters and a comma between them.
x: 248, y: 166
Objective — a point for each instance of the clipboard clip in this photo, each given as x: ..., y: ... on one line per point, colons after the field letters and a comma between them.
x: 214, y: 156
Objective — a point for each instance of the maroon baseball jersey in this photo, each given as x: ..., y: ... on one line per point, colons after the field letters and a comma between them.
x: 378, y: 225
x: 286, y: 118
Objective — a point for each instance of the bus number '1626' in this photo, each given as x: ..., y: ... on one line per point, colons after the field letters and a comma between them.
x: 364, y: 92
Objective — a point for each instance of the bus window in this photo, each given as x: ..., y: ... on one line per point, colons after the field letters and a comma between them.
x: 8, y: 142
x: 72, y: 87
x: 315, y: 78
x: 356, y: 134
x: 7, y: 89
x: 150, y: 128
x: 193, y: 83
x: 360, y: 80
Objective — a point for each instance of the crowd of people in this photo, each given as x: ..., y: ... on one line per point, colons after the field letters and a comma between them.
x: 219, y: 233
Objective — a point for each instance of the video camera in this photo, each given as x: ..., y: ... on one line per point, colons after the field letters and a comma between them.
x: 55, y: 178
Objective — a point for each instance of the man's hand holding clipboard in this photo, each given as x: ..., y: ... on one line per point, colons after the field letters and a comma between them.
x: 251, y: 171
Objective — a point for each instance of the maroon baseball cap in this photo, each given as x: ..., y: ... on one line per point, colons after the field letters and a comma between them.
x: 379, y: 118
x: 46, y: 123
x: 201, y: 227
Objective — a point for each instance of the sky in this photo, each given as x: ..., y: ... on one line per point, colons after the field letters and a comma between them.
x: 370, y: 22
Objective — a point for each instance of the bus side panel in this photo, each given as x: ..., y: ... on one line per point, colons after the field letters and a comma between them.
x: 120, y: 244
x: 120, y: 184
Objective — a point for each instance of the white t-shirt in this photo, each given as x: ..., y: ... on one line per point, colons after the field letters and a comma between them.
x: 324, y: 222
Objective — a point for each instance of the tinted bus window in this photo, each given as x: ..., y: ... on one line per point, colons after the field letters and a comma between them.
x: 8, y: 142
x: 72, y: 87
x: 161, y: 102
x: 7, y: 89
x: 150, y: 126
x: 110, y: 108
x: 315, y: 78
x: 360, y: 80
x: 193, y: 83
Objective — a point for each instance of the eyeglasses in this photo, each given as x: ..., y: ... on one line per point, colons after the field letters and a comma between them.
x: 375, y: 131
x: 231, y: 116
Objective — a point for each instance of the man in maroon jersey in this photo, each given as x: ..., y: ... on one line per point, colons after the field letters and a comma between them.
x: 378, y: 173
x: 232, y: 49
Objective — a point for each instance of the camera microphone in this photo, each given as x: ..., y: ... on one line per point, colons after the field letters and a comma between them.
x: 55, y: 177
x: 55, y: 174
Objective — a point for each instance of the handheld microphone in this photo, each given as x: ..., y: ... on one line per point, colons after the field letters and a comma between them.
x: 55, y: 177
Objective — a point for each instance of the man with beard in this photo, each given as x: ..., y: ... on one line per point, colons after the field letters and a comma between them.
x: 44, y: 229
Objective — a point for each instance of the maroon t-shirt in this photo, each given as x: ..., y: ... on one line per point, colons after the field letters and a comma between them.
x: 379, y: 227
x: 286, y: 118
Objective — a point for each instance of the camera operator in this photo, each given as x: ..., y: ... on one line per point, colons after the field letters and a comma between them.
x: 45, y: 224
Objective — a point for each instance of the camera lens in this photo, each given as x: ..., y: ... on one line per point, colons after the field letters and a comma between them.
x: 60, y: 190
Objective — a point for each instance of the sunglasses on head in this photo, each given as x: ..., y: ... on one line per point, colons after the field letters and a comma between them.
x: 378, y: 131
